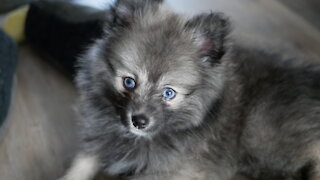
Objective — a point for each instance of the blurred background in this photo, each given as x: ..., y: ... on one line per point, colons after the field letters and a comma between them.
x: 40, y: 41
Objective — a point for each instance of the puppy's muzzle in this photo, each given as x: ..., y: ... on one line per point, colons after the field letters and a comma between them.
x: 140, y: 121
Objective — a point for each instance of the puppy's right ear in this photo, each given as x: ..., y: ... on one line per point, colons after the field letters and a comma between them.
x: 124, y: 12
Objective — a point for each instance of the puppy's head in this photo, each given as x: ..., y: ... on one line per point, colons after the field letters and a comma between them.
x: 159, y: 71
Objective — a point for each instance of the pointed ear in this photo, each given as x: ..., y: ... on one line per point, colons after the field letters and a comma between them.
x: 124, y: 12
x: 209, y: 32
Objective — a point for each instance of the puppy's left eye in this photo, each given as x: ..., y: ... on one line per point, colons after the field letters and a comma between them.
x: 129, y: 83
x: 169, y: 94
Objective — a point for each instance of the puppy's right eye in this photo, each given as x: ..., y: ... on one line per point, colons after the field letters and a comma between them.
x: 129, y: 83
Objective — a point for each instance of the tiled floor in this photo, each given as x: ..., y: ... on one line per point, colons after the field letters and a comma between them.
x: 41, y: 138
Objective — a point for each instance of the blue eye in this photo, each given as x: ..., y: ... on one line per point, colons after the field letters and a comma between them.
x: 129, y: 83
x: 169, y: 94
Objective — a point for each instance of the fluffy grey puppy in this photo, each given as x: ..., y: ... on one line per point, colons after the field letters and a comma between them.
x: 164, y: 97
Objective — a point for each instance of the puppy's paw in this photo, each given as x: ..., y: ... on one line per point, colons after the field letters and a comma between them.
x: 85, y: 167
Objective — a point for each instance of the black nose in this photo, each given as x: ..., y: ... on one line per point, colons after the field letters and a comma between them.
x: 140, y: 121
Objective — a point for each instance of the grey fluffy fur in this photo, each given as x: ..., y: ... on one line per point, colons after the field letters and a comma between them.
x: 238, y: 109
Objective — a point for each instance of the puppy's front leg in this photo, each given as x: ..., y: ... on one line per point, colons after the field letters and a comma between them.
x: 84, y: 167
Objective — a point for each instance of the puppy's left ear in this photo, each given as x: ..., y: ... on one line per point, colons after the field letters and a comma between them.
x: 209, y: 33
